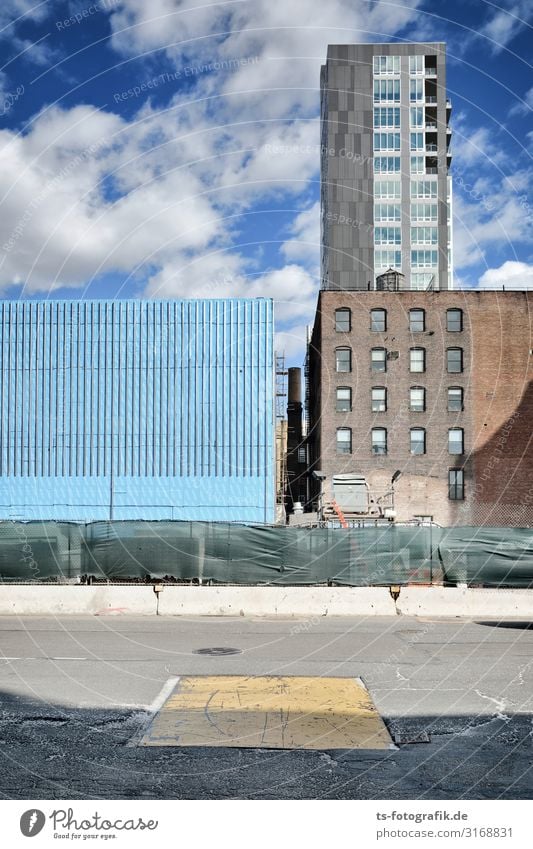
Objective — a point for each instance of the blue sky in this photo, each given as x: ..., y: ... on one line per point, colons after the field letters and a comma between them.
x: 171, y: 149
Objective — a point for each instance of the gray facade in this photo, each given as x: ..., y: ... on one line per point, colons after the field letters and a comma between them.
x: 385, y: 187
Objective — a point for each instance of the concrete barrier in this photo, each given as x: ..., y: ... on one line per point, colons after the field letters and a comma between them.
x: 276, y: 601
x: 461, y: 601
x: 26, y: 600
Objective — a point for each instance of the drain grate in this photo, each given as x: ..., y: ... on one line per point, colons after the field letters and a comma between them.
x: 218, y: 651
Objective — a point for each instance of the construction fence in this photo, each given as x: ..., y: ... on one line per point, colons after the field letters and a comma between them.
x: 227, y: 553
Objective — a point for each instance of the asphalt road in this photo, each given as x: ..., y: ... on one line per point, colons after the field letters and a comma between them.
x: 75, y: 690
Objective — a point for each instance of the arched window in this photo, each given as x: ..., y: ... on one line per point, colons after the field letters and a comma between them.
x: 379, y: 440
x: 378, y: 359
x: 455, y: 399
x: 344, y: 399
x: 417, y: 399
x: 454, y: 360
x: 456, y: 440
x: 454, y: 321
x: 418, y: 440
x: 417, y: 359
x: 344, y: 440
x: 343, y: 320
x: 417, y: 321
x: 343, y: 359
x: 379, y: 399
x: 378, y: 320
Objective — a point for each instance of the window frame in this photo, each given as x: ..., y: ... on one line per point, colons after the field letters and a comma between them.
x: 372, y: 361
x: 461, y: 361
x: 374, y: 400
x: 338, y: 442
x: 417, y: 310
x: 411, y: 352
x: 373, y: 444
x: 337, y: 369
x: 456, y: 486
x: 349, y: 313
x: 454, y: 329
x: 462, y: 396
x: 417, y: 389
x: 417, y: 430
x: 462, y: 432
x: 383, y: 313
x: 344, y: 389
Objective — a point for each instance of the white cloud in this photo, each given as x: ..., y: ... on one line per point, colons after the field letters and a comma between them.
x: 304, y: 243
x: 512, y: 275
x: 505, y: 24
x: 524, y: 105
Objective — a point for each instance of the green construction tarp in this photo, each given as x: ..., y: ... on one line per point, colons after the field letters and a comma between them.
x: 258, y: 555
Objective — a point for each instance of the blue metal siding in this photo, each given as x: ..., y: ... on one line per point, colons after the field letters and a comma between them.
x: 137, y: 409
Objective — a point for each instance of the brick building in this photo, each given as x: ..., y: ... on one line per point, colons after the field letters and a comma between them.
x: 434, y: 385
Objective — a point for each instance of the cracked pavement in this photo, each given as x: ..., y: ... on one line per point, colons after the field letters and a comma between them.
x: 75, y: 690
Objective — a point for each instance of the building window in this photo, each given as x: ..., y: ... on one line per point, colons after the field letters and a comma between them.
x: 343, y: 359
x: 418, y: 165
x: 378, y: 320
x: 379, y: 399
x: 343, y: 320
x: 456, y: 440
x: 455, y: 399
x: 417, y: 359
x: 454, y: 360
x: 417, y: 399
x: 387, y: 236
x: 344, y: 440
x: 456, y: 485
x: 344, y: 399
x: 418, y: 440
x: 387, y: 116
x: 386, y: 91
x: 424, y: 189
x: 379, y: 440
x: 386, y: 141
x: 424, y: 236
x: 424, y: 259
x: 454, y: 321
x: 424, y: 212
x: 379, y: 359
x: 302, y: 454
x: 386, y: 64
x: 416, y: 91
x: 386, y: 164
x: 416, y: 64
x: 387, y: 189
x: 416, y: 116
x: 387, y: 258
x: 387, y: 212
x: 416, y: 141
x: 417, y: 321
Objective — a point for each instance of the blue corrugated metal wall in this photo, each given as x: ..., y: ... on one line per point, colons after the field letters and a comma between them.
x: 137, y: 409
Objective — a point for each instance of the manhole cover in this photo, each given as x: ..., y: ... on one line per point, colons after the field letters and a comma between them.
x: 217, y: 651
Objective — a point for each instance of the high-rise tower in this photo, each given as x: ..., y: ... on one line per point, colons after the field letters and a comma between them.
x: 385, y: 190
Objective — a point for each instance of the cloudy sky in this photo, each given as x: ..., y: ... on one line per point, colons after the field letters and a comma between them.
x: 140, y: 144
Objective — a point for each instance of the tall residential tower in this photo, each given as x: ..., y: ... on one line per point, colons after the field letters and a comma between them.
x: 386, y: 190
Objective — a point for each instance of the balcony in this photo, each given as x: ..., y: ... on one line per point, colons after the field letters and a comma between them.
x: 431, y: 126
x: 431, y: 98
x: 430, y: 72
x: 431, y: 148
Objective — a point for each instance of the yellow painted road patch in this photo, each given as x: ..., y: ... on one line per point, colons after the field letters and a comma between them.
x: 269, y: 713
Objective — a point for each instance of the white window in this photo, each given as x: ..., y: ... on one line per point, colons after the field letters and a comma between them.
x: 378, y: 359
x: 418, y: 440
x: 387, y: 189
x: 344, y: 440
x: 379, y: 399
x: 416, y: 116
x: 387, y: 236
x: 343, y: 359
x: 386, y: 91
x: 422, y: 280
x: 386, y: 64
x: 418, y: 165
x: 417, y: 321
x: 417, y: 359
x: 343, y: 318
x: 416, y: 90
x: 387, y: 116
x: 417, y: 399
x: 455, y: 399
x: 416, y: 64
x: 386, y: 164
x: 423, y: 235
x: 379, y: 440
x: 387, y: 212
x: 416, y: 141
x: 386, y: 141
x: 378, y: 320
x: 424, y: 212
x: 456, y: 440
x: 344, y: 399
x: 387, y: 258
x: 424, y: 259
x: 423, y: 188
